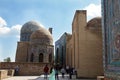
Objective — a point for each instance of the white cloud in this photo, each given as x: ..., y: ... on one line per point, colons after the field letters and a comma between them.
x: 2, y: 22
x: 15, y: 30
x: 93, y: 10
x: 6, y: 31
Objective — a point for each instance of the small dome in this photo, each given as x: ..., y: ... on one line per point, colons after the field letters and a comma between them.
x: 94, y: 23
x: 30, y: 27
x: 41, y: 36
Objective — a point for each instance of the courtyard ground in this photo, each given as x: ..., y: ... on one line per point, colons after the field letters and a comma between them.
x: 39, y: 78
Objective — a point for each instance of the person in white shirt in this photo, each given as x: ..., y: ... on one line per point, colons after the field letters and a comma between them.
x: 63, y: 72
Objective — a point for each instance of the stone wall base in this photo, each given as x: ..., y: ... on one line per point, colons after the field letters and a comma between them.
x: 100, y: 77
x: 25, y: 69
x: 3, y: 74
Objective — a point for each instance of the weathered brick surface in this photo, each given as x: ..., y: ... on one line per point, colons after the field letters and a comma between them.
x: 25, y: 68
x: 11, y: 72
x: 84, y: 49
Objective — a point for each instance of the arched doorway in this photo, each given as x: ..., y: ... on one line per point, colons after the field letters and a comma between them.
x: 50, y: 57
x: 57, y: 55
x: 32, y: 57
x: 41, y: 57
x: 62, y: 57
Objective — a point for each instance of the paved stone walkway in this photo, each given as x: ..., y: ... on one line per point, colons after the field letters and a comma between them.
x: 39, y: 78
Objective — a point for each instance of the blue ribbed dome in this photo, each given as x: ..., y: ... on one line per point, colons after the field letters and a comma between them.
x: 28, y: 28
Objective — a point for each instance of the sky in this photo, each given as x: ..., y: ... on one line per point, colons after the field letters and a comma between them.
x: 57, y: 14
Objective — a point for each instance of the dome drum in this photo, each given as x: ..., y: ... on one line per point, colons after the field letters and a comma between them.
x: 41, y: 41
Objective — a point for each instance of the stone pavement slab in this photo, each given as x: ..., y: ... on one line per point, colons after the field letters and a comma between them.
x: 22, y: 78
x: 41, y: 77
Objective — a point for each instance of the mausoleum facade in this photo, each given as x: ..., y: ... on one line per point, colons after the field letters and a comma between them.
x: 36, y: 44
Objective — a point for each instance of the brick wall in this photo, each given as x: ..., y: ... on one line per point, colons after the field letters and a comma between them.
x: 25, y: 69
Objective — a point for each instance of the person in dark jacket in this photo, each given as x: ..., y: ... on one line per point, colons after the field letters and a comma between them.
x: 16, y: 70
x: 56, y: 72
x: 46, y: 69
x: 70, y: 71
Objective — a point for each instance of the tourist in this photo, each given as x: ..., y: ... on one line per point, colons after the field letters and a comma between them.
x: 63, y: 72
x: 52, y: 74
x: 46, y: 69
x: 70, y: 71
x: 51, y: 69
x: 74, y: 73
x: 67, y: 69
x: 16, y: 70
x: 56, y: 73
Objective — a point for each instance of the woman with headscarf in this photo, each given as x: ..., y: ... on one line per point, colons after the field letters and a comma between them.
x: 52, y: 74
